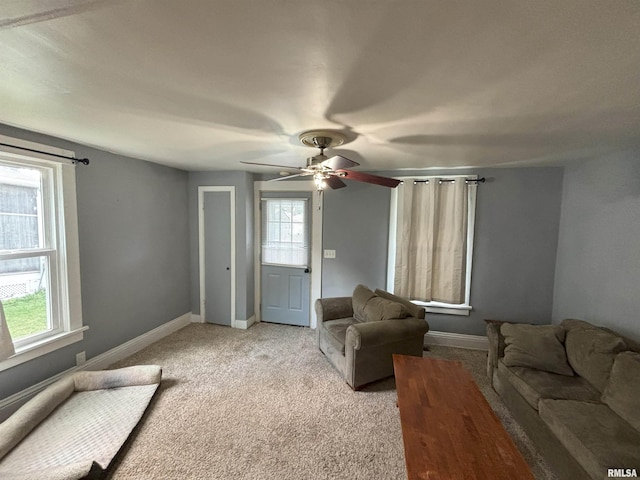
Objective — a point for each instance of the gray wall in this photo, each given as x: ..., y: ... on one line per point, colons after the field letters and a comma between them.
x: 134, y: 257
x: 598, y: 268
x: 355, y: 224
x: 243, y: 182
x: 517, y: 221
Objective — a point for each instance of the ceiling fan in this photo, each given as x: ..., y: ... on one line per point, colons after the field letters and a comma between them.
x: 329, y: 172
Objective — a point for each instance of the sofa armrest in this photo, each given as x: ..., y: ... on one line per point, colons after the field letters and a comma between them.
x: 333, y: 308
x: 371, y: 334
x: 496, y: 346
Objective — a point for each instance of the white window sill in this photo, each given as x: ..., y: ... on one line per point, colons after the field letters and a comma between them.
x: 42, y: 347
x: 444, y: 308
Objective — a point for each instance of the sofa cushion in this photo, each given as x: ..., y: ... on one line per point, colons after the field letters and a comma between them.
x: 591, y: 352
x: 535, y: 346
x: 622, y: 393
x: 596, y: 437
x: 535, y: 385
x: 361, y: 295
x: 337, y: 332
x: 378, y: 308
x: 412, y: 309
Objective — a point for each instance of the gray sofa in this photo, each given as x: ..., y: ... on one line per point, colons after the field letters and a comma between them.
x: 575, y: 389
x: 359, y: 334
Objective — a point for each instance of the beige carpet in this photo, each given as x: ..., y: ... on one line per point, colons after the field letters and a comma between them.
x: 264, y: 403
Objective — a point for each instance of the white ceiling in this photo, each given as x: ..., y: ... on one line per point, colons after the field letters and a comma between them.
x: 203, y: 84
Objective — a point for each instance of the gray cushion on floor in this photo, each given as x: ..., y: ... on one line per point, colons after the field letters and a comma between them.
x: 535, y: 384
x: 596, y: 437
x: 622, y: 393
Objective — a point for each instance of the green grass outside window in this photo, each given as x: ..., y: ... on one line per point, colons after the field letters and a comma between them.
x: 26, y: 315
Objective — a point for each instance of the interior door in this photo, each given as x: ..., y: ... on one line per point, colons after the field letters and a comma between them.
x: 217, y: 239
x: 285, y: 258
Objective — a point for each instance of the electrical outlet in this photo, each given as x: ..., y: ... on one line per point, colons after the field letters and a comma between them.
x: 329, y: 254
x: 81, y: 358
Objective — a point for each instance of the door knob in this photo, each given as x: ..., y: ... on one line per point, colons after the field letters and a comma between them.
x: 228, y: 268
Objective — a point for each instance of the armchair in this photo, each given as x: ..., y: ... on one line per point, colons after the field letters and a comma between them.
x: 359, y: 334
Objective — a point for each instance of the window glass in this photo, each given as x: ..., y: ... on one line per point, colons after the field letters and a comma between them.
x: 25, y: 269
x: 285, y: 237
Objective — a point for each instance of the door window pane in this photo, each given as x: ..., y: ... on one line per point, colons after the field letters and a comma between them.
x: 285, y: 235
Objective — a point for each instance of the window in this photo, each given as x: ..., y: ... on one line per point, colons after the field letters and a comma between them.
x: 431, y: 242
x: 39, y: 260
x: 285, y: 238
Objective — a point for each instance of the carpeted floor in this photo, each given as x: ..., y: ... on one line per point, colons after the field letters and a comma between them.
x: 265, y: 404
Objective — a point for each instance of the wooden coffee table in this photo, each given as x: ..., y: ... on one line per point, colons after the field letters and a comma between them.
x: 449, y: 430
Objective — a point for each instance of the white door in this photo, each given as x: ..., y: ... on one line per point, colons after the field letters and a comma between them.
x: 285, y: 258
x: 217, y: 272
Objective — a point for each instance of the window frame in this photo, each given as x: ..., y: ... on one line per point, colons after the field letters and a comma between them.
x: 62, y: 248
x: 462, y: 309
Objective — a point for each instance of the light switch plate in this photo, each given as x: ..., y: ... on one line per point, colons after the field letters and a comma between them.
x: 329, y: 254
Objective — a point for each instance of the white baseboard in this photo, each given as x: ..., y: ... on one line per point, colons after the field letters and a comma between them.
x: 244, y: 324
x: 12, y: 403
x: 196, y: 318
x: 460, y: 340
x: 107, y: 358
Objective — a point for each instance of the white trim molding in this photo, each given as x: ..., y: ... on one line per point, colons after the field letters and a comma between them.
x: 245, y: 324
x: 116, y: 354
x: 460, y: 340
x: 12, y: 403
x: 20, y: 153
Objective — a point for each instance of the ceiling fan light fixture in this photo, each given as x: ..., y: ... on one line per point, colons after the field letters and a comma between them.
x: 320, y: 180
x: 327, y: 172
x: 322, y: 138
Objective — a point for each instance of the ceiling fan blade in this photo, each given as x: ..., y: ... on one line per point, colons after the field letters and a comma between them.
x: 287, y: 177
x: 271, y: 165
x: 334, y: 182
x: 368, y: 178
x: 339, y: 162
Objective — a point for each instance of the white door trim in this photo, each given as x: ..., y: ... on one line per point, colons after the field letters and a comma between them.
x: 316, y: 237
x: 201, y: 246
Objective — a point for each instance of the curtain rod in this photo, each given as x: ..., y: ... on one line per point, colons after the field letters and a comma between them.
x: 84, y: 161
x: 452, y: 180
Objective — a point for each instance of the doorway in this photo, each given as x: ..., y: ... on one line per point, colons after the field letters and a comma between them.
x: 285, y: 257
x: 216, y: 209
x: 286, y: 284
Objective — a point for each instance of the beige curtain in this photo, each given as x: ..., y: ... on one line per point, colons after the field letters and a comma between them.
x: 431, y: 241
x: 6, y: 344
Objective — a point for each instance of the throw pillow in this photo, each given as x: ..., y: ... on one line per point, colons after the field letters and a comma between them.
x: 378, y: 308
x: 535, y: 346
x: 591, y: 352
x: 622, y: 393
x: 361, y: 295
